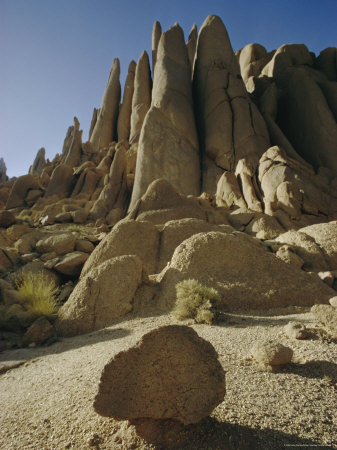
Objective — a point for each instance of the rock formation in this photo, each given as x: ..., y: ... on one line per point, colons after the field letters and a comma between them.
x: 168, y: 146
x: 156, y: 33
x: 39, y: 162
x: 104, y: 130
x: 141, y: 99
x: 223, y: 171
x: 124, y: 117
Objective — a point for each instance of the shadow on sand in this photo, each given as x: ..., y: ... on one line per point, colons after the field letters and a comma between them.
x: 212, y: 434
x: 63, y: 345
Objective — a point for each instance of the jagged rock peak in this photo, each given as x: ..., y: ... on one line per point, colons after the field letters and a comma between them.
x: 124, y: 118
x: 141, y: 99
x: 104, y: 131
x: 39, y: 162
x: 192, y: 45
x: 168, y: 145
x: 3, y: 171
x: 156, y: 33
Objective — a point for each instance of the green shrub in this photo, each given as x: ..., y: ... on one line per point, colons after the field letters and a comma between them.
x: 195, y: 301
x: 39, y: 293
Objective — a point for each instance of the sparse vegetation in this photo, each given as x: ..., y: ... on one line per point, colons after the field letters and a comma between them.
x: 195, y: 301
x: 39, y: 293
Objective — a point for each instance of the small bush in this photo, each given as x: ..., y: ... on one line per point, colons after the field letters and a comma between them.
x: 39, y: 293
x: 195, y: 301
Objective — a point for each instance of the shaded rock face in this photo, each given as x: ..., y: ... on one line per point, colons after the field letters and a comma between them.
x: 3, y: 171
x: 103, y: 295
x: 124, y: 117
x: 230, y: 125
x: 171, y: 373
x: 39, y: 162
x: 168, y: 146
x: 20, y: 189
x: 141, y: 99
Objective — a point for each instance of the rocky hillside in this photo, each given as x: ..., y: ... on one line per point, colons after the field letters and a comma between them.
x: 215, y: 166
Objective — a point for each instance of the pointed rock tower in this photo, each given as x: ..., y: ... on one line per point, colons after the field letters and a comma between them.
x: 168, y: 146
x: 104, y: 130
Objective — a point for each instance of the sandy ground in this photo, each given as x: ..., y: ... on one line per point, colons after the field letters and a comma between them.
x: 46, y: 402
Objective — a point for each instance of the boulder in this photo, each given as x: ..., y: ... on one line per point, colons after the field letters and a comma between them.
x: 168, y: 145
x: 141, y: 99
x: 83, y: 245
x: 295, y: 330
x: 271, y: 354
x: 333, y: 301
x: 71, y: 264
x: 104, y: 130
x: 102, y: 296
x: 6, y: 219
x: 176, y: 231
x: 306, y: 248
x: 61, y: 244
x: 162, y: 202
x: 20, y: 189
x: 233, y: 263
x: 171, y: 373
x: 128, y: 237
x: 264, y: 227
x: 289, y: 256
x: 327, y: 316
x: 61, y: 182
x: 325, y: 235
x: 38, y: 333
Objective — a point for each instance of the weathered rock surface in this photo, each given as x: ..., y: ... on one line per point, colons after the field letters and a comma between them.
x: 156, y: 33
x: 168, y: 146
x: 124, y: 117
x: 72, y: 263
x: 325, y: 235
x: 141, y: 99
x: 39, y: 162
x: 61, y: 182
x: 127, y: 238
x: 171, y: 373
x: 234, y: 262
x: 39, y: 332
x: 6, y: 219
x: 61, y: 244
x: 103, y: 295
x: 104, y: 130
x: 296, y: 330
x: 73, y: 156
x: 20, y: 189
x: 272, y: 354
x: 230, y: 126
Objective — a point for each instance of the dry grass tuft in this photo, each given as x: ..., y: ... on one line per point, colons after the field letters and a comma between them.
x: 195, y: 301
x: 39, y: 293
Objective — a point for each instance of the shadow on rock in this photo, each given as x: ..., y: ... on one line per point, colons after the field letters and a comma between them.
x: 212, y: 434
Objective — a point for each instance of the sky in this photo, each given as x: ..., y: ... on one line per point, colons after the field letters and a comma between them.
x: 56, y: 55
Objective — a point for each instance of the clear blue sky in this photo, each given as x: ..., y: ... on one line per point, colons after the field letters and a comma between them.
x: 56, y: 54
